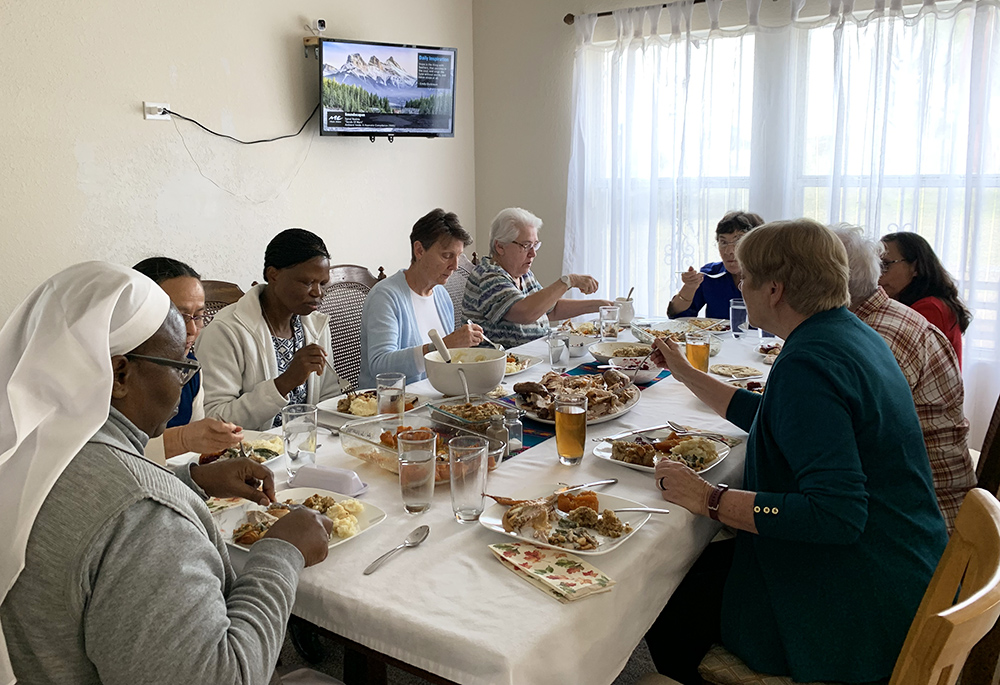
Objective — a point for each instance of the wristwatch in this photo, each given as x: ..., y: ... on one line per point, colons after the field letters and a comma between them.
x: 714, y: 499
x: 567, y: 280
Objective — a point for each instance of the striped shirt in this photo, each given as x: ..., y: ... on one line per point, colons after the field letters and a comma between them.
x: 490, y: 293
x: 930, y: 365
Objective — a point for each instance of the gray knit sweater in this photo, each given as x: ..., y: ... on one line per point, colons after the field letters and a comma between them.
x: 128, y: 581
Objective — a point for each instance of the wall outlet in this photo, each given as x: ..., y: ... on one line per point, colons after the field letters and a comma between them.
x: 154, y: 110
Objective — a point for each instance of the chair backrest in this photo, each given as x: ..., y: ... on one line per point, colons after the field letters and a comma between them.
x: 988, y: 469
x: 455, y: 285
x: 343, y: 302
x: 944, y: 631
x: 219, y: 294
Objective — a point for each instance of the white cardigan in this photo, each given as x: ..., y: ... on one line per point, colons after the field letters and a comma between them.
x: 239, y: 365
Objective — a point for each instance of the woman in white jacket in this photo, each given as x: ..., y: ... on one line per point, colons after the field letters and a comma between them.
x: 270, y: 348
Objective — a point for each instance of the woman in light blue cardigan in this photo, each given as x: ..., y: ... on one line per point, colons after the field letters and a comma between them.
x: 394, y: 336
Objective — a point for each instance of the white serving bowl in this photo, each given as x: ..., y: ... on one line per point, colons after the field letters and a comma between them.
x: 603, y: 352
x: 635, y: 373
x: 483, y: 368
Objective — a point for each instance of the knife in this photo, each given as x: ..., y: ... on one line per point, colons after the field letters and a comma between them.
x: 619, y: 436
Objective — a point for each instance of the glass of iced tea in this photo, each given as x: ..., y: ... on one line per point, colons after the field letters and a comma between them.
x: 697, y: 346
x: 571, y: 428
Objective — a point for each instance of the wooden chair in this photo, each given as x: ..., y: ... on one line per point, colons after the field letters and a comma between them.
x: 943, y: 631
x: 456, y: 285
x: 343, y: 302
x: 219, y: 294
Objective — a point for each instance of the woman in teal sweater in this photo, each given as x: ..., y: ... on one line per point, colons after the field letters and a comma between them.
x: 838, y: 528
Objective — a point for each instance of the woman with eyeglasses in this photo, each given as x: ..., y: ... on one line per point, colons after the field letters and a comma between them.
x: 706, y: 288
x: 913, y: 274
x: 502, y: 294
x: 188, y: 430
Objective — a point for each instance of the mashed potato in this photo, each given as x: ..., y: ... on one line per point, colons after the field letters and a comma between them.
x: 273, y: 443
x: 698, y: 453
x: 364, y: 406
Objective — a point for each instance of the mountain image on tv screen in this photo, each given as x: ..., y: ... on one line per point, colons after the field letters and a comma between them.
x: 375, y: 88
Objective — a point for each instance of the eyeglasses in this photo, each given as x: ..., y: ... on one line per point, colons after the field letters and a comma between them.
x: 886, y: 263
x: 185, y: 368
x: 527, y: 247
x: 197, y: 319
x: 728, y: 243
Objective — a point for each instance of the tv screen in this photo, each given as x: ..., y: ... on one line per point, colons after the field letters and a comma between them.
x: 376, y: 89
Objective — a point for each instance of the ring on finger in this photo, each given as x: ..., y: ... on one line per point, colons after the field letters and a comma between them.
x: 659, y: 483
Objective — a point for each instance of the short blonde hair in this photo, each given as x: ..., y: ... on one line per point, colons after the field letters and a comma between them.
x: 803, y: 255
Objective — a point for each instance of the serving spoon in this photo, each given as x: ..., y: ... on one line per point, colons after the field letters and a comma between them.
x: 417, y: 536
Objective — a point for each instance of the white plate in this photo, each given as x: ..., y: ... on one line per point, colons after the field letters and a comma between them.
x: 229, y: 519
x: 330, y: 406
x: 603, y: 352
x: 675, y: 326
x: 273, y: 463
x: 716, y: 324
x: 603, y: 451
x: 491, y: 518
x: 532, y: 361
x: 590, y: 422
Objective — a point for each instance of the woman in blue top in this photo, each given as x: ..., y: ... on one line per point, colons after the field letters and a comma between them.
x: 188, y: 430
x: 838, y: 529
x: 401, y: 310
x: 715, y: 293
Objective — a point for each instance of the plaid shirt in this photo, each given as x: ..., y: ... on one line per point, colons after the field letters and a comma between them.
x: 931, y: 368
x: 490, y: 292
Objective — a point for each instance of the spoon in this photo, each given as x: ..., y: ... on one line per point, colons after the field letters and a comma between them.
x: 439, y: 345
x: 719, y: 275
x: 499, y: 347
x: 418, y: 535
x: 629, y: 296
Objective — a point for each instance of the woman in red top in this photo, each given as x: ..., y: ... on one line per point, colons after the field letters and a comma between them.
x: 913, y: 275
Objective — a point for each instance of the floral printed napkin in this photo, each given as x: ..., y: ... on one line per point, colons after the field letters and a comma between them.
x: 556, y: 573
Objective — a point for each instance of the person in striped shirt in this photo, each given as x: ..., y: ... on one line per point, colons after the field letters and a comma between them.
x: 928, y: 362
x: 502, y: 294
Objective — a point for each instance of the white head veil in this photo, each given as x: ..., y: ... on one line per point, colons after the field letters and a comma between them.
x: 55, y: 363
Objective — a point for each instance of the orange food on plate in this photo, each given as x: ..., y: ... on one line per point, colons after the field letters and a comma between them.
x: 568, y: 501
x: 672, y: 441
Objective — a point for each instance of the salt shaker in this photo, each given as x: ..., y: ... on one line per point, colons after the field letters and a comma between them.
x: 515, y: 431
x: 497, y: 435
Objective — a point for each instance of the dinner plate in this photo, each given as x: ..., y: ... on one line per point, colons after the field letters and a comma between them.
x: 248, y: 435
x: 530, y: 359
x: 603, y: 451
x: 703, y: 322
x: 673, y: 326
x: 492, y: 517
x: 227, y: 520
x: 330, y: 406
x: 590, y: 422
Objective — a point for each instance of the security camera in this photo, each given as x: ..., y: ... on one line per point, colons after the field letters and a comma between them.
x: 321, y: 25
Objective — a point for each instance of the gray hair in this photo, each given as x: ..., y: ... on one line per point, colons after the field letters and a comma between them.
x: 508, y: 223
x: 864, y: 256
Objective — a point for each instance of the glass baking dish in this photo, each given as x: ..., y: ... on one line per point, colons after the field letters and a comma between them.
x: 440, y: 411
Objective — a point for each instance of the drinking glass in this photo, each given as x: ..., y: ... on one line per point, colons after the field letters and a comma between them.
x: 558, y: 352
x: 571, y: 428
x: 697, y: 346
x: 417, y: 462
x: 609, y: 323
x: 738, y: 317
x: 298, y: 430
x: 391, y: 391
x: 468, y: 465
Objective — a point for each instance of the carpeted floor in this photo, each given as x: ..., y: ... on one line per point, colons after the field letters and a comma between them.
x: 333, y: 664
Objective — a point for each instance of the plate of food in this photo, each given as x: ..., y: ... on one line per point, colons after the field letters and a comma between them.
x: 243, y: 525
x: 705, y: 324
x: 610, y: 395
x: 603, y: 352
x: 674, y: 330
x: 735, y: 371
x: 516, y: 363
x: 358, y: 404
x: 770, y: 352
x: 263, y: 448
x: 588, y: 329
x: 751, y: 385
x: 641, y: 451
x: 583, y: 523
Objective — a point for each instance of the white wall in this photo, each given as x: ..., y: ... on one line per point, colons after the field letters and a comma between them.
x: 85, y: 177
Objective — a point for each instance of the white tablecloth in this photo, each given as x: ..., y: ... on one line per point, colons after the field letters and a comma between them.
x: 449, y: 607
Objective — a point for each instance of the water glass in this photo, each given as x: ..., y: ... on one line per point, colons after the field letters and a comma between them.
x: 417, y: 464
x: 558, y: 352
x: 626, y: 310
x: 391, y: 391
x: 697, y: 347
x: 468, y: 465
x: 298, y: 430
x: 571, y: 428
x: 738, y: 317
x: 609, y: 323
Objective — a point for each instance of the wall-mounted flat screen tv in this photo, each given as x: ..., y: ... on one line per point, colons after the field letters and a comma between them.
x: 375, y: 89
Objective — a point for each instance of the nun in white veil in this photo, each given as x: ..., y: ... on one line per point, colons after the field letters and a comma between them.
x: 56, y: 365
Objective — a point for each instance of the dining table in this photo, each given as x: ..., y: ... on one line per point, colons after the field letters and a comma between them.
x: 450, y: 608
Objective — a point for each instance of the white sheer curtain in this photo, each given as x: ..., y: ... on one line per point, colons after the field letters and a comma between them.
x: 880, y: 120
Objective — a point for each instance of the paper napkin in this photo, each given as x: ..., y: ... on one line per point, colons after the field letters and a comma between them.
x: 557, y: 573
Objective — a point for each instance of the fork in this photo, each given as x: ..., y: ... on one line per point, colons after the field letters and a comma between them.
x: 681, y: 430
x: 499, y: 347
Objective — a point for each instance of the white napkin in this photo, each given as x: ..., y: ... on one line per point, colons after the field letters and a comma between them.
x: 344, y: 481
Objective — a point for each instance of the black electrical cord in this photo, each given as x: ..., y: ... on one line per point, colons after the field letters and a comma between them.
x: 244, y: 142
